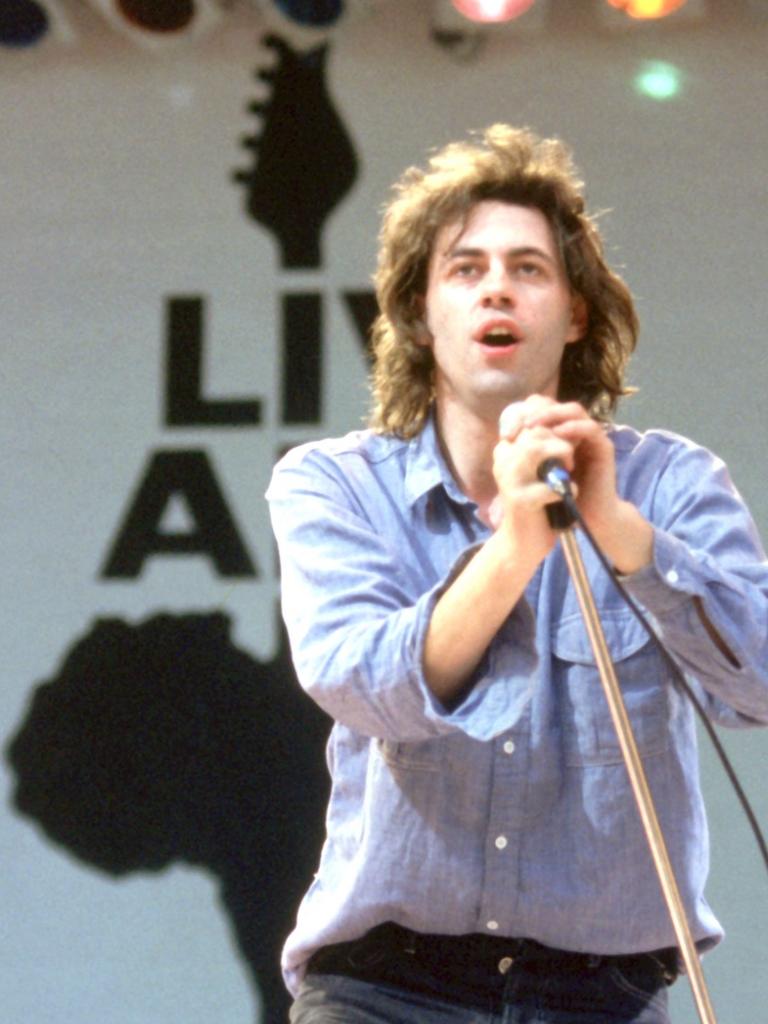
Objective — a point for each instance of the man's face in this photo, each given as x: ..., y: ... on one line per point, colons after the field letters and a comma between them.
x: 498, y: 311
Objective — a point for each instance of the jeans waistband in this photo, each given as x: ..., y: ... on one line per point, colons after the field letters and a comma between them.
x: 371, y: 956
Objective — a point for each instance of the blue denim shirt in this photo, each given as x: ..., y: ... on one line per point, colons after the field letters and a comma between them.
x: 510, y: 814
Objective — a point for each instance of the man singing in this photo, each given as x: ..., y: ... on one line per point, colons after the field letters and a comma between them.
x: 485, y: 860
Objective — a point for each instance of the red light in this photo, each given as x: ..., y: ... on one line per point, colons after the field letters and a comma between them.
x: 158, y: 15
x: 492, y: 10
x: 647, y: 9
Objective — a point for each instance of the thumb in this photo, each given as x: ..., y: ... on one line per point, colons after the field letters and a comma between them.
x: 496, y: 512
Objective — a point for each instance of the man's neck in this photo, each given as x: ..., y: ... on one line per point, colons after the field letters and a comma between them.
x: 467, y: 443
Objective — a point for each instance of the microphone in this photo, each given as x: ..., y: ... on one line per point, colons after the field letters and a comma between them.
x: 553, y: 473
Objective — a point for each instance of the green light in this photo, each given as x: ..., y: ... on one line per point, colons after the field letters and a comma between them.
x: 658, y: 80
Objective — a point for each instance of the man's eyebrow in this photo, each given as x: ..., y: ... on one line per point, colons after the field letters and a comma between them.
x: 469, y: 252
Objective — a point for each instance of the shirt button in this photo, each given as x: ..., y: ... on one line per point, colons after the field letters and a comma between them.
x: 672, y: 576
x: 509, y: 747
x: 505, y: 963
x: 501, y: 842
x: 492, y: 925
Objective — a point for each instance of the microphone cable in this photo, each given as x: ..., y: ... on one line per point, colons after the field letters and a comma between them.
x: 559, y: 481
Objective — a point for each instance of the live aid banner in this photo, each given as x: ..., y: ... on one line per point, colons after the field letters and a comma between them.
x: 189, y: 234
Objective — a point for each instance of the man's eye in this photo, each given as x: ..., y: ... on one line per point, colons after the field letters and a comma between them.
x: 466, y: 269
x: 529, y: 269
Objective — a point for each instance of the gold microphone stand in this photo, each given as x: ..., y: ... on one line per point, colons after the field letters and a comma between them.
x: 562, y: 520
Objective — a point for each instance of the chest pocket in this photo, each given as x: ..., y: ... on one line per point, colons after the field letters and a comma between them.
x: 587, y: 728
x: 441, y: 754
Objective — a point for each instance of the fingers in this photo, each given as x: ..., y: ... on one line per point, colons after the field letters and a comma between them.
x: 516, y: 462
x: 541, y: 428
x: 519, y: 415
x: 539, y: 411
x: 568, y: 421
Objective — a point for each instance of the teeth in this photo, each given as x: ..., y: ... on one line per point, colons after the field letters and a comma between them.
x: 499, y: 332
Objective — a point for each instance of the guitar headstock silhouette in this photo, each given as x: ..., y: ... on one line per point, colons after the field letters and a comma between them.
x: 305, y: 161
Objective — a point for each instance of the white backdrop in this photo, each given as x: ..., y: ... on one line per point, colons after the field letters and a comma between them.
x: 117, y: 195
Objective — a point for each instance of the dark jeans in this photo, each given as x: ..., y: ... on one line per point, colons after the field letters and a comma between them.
x: 385, y: 978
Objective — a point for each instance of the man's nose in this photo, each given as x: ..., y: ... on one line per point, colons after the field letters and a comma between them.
x: 498, y: 288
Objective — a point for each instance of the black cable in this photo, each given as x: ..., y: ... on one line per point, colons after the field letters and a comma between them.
x: 679, y: 677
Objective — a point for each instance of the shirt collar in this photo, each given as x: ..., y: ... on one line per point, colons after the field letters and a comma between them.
x: 426, y: 468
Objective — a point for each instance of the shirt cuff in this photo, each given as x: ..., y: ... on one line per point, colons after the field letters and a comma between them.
x: 502, y: 685
x: 670, y: 580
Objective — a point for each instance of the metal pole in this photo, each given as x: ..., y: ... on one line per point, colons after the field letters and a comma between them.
x: 637, y: 776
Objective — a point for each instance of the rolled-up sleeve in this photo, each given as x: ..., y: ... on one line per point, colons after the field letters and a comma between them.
x: 357, y: 596
x: 708, y: 558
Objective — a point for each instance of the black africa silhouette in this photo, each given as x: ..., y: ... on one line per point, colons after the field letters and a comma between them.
x: 161, y: 743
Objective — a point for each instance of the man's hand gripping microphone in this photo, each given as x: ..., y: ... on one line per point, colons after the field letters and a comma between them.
x: 551, y: 472
x: 554, y: 474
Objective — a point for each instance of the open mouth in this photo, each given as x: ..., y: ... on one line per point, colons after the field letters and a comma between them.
x: 498, y: 337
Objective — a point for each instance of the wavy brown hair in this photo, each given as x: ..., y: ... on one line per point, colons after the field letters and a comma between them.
x: 511, y: 165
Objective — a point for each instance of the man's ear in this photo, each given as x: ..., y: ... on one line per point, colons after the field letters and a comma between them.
x: 579, y: 319
x: 422, y: 333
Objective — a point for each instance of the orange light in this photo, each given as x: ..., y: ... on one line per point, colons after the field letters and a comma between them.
x: 647, y: 9
x: 492, y: 10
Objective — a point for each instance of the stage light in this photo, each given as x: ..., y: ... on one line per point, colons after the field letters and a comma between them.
x: 463, y: 36
x: 492, y: 10
x: 623, y: 15
x: 22, y: 23
x: 312, y: 13
x: 157, y: 15
x: 28, y: 23
x: 658, y: 80
x: 308, y: 23
x: 647, y: 9
x: 316, y: 16
x: 155, y: 23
